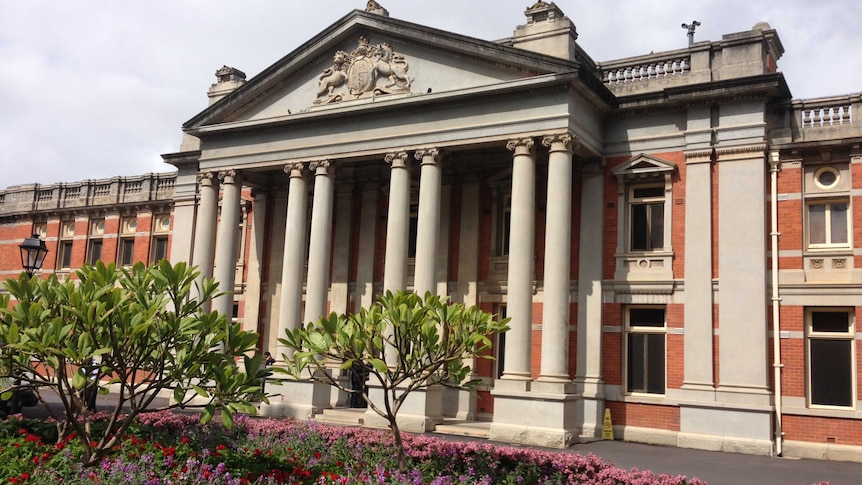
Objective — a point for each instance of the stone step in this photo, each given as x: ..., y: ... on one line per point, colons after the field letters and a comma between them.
x: 474, y: 429
x: 342, y: 416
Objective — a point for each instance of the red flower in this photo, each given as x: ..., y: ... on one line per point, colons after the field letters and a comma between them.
x: 185, y: 440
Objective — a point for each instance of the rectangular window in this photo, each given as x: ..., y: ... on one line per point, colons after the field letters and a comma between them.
x: 646, y: 216
x: 504, y: 220
x: 94, y: 251
x: 828, y: 224
x: 64, y: 255
x: 160, y: 248
x: 414, y: 230
x: 127, y: 252
x: 645, y: 350
x: 831, y: 350
x: 499, y: 348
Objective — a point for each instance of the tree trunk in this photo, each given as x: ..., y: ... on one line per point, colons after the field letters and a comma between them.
x: 399, y: 446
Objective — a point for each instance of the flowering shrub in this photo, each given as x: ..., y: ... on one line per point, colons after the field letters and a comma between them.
x: 168, y: 448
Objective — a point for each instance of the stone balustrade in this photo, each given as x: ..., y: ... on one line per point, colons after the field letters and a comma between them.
x: 153, y: 187
x: 838, y: 112
x: 646, y: 70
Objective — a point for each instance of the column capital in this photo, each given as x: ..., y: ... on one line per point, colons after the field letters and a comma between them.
x: 428, y: 156
x: 397, y: 159
x: 561, y: 142
x: 295, y: 170
x: 207, y: 178
x: 521, y: 146
x: 229, y: 177
x: 322, y: 167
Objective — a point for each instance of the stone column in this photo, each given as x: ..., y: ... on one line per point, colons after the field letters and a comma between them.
x: 290, y: 308
x: 205, y: 226
x: 253, y: 290
x: 228, y: 229
x: 317, y: 287
x: 522, y: 241
x: 468, y: 247
x: 302, y: 399
x: 428, y: 231
x: 339, y: 287
x: 367, y: 240
x: 397, y: 224
x: 558, y: 258
x: 588, y: 377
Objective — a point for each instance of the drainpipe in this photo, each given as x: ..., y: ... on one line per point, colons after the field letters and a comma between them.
x: 775, y: 167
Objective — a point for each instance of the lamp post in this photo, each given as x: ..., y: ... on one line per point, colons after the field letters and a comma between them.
x: 33, y: 252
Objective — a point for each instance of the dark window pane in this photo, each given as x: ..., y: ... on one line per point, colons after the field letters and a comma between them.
x: 641, y: 193
x: 637, y: 350
x: 127, y: 252
x: 646, y: 317
x: 817, y: 224
x: 655, y: 363
x: 830, y: 321
x: 656, y: 225
x: 838, y: 223
x: 640, y: 228
x: 831, y: 372
x: 95, y: 252
x: 414, y: 228
x: 66, y: 254
x: 160, y: 248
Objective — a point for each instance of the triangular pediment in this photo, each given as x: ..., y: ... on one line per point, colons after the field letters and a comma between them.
x: 366, y: 57
x: 644, y: 166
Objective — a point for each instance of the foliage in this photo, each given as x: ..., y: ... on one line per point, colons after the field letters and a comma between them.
x: 147, y: 332
x: 170, y: 448
x: 403, y: 342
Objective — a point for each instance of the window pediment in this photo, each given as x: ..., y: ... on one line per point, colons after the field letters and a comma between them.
x: 644, y: 167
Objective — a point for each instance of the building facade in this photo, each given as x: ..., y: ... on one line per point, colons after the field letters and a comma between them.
x: 672, y: 235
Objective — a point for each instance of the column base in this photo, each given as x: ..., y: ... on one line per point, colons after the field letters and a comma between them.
x: 422, y: 410
x: 297, y: 399
x: 591, y: 408
x: 544, y: 415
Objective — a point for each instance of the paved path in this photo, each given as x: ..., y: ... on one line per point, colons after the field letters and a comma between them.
x: 715, y: 468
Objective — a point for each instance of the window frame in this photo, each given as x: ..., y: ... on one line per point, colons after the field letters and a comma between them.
x: 124, y: 242
x: 630, y: 330
x: 631, y: 202
x: 828, y: 202
x: 849, y: 336
x: 154, y: 248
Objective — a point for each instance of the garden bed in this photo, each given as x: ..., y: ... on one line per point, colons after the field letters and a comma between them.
x: 174, y: 448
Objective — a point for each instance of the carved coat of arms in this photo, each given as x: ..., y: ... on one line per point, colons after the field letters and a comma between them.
x: 367, y: 71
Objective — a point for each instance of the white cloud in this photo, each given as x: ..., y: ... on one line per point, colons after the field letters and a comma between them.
x: 98, y: 89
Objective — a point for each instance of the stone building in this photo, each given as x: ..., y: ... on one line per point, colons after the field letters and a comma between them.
x: 673, y: 236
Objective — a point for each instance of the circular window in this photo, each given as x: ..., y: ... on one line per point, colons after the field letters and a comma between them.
x: 165, y: 223
x: 826, y: 178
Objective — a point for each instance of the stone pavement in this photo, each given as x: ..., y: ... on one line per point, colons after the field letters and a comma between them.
x: 715, y: 468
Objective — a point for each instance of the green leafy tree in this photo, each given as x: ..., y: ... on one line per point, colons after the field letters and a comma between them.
x: 144, y: 330
x: 427, y: 341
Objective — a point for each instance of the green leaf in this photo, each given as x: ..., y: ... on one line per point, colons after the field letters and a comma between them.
x: 226, y: 418
x: 78, y: 380
x: 379, y: 365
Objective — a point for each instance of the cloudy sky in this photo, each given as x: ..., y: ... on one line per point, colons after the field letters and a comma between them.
x: 95, y: 89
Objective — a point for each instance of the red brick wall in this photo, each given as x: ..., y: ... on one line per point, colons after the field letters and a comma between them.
x: 11, y: 236
x: 822, y: 430
x: 792, y: 352
x: 675, y: 346
x: 612, y: 344
x: 644, y: 415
